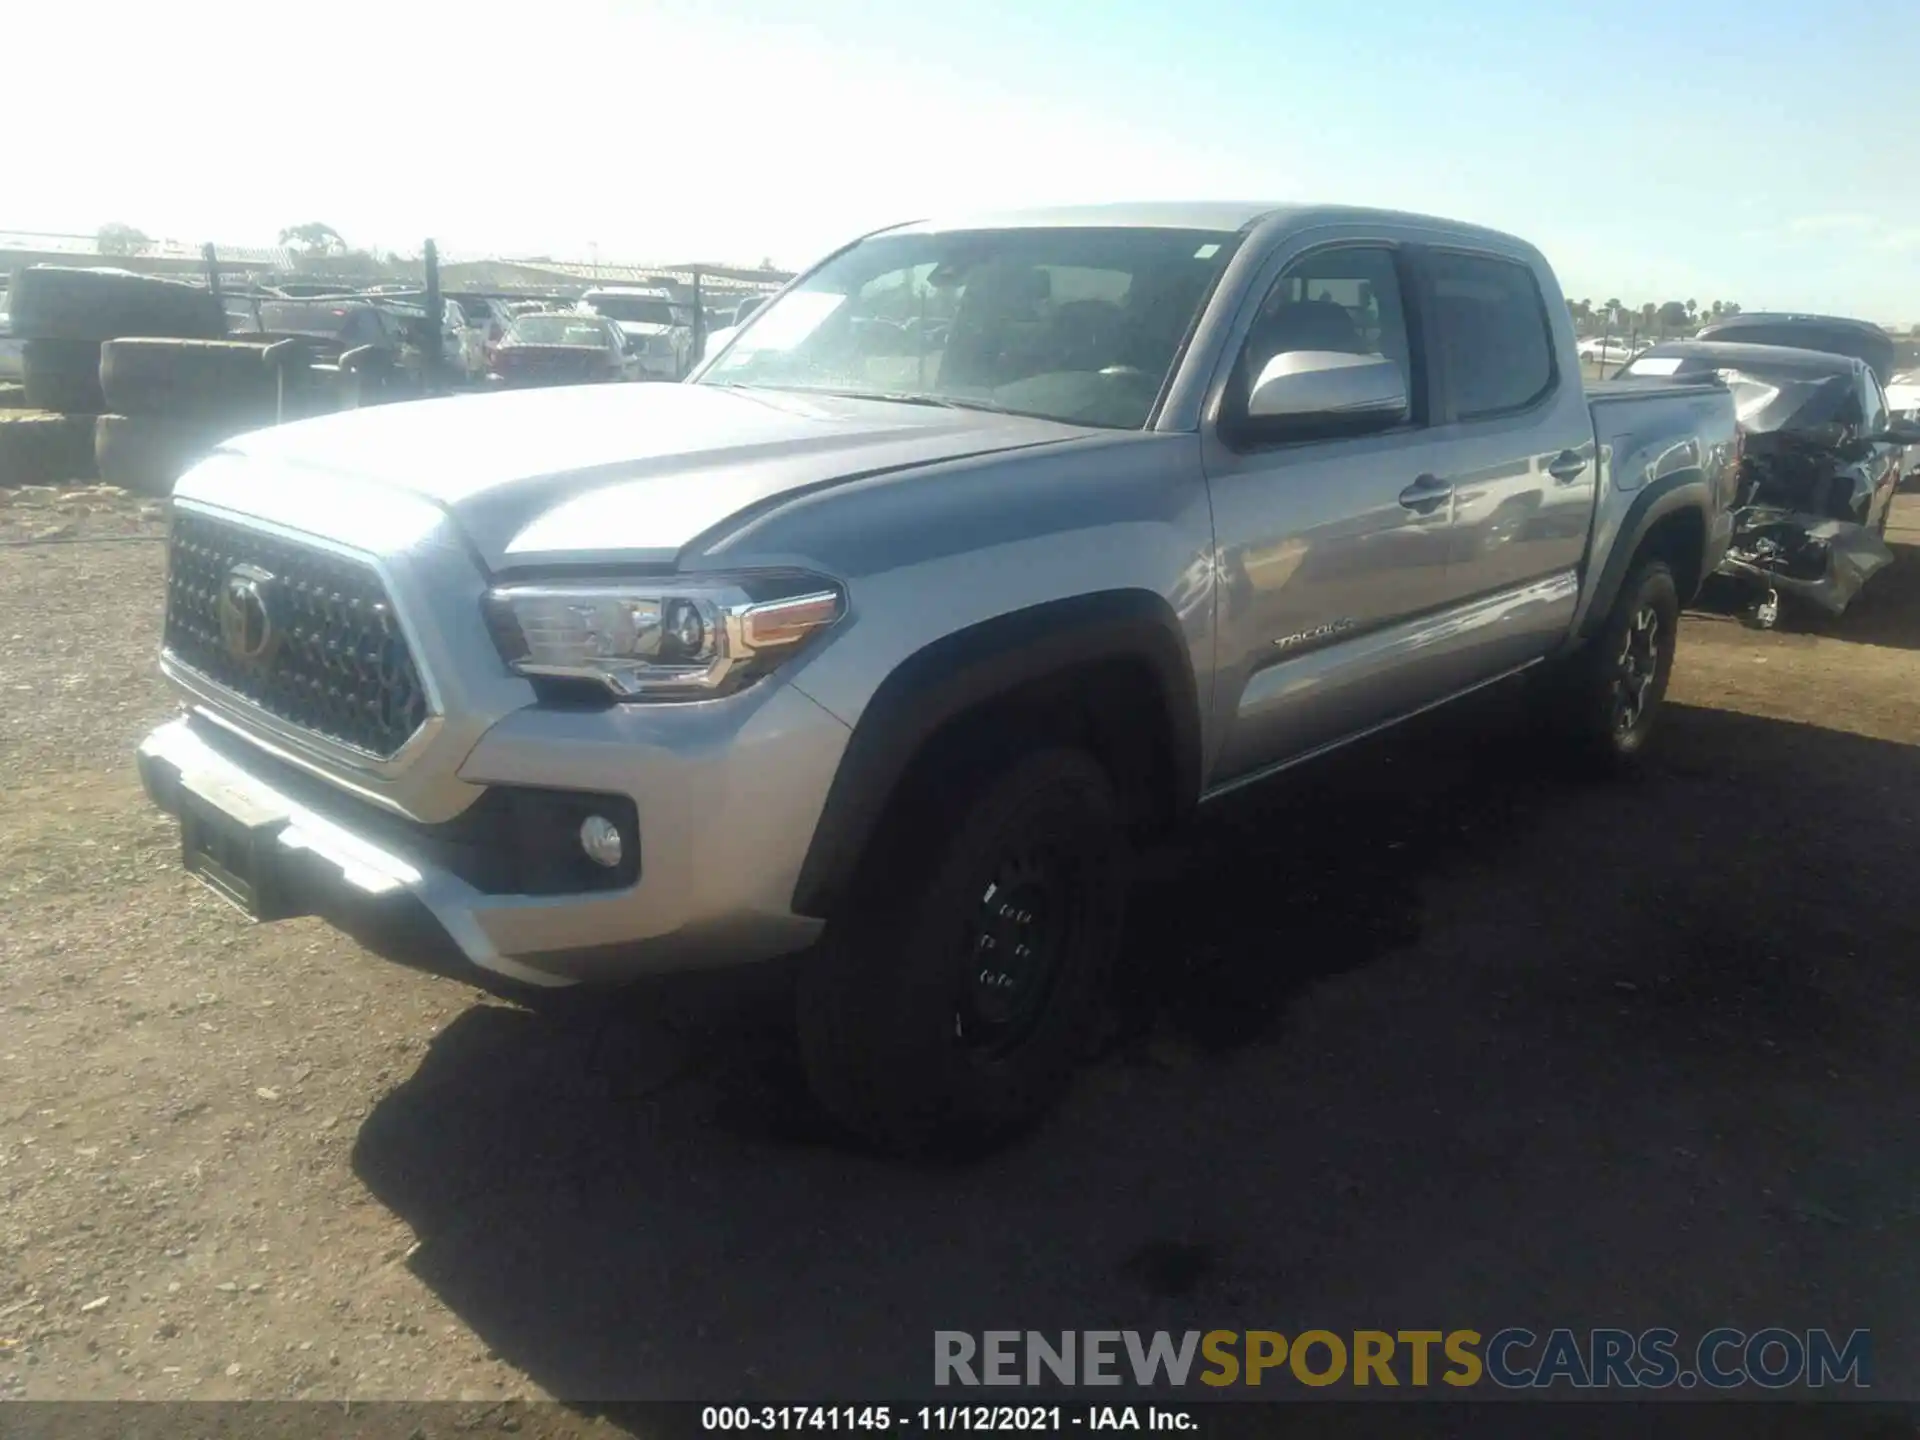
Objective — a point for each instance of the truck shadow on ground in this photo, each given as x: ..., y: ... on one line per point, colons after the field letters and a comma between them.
x: 1431, y: 1033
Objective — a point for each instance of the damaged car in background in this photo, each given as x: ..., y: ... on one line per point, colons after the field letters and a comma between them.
x: 1821, y: 458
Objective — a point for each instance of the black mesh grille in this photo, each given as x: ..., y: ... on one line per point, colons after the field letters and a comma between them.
x: 338, y: 664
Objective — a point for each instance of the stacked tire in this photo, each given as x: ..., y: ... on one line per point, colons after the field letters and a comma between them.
x: 63, y: 315
x: 173, y: 401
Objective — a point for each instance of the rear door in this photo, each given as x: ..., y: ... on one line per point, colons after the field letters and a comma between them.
x: 1513, y: 442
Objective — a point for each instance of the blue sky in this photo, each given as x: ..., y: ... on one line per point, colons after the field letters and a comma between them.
x: 1759, y: 152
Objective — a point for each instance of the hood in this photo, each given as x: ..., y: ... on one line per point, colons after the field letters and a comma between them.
x: 588, y: 474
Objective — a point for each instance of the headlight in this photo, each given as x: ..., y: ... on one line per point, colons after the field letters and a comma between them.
x: 674, y: 639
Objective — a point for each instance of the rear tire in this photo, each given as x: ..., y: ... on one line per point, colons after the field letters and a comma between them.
x: 224, y: 381
x: 54, y: 302
x: 1613, y: 690
x: 947, y: 1008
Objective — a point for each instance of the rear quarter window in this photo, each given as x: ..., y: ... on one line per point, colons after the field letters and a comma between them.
x: 1494, y: 337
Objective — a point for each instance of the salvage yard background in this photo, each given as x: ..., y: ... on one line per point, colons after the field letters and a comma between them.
x: 1436, y: 1038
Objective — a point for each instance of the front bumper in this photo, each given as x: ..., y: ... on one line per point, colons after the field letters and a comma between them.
x: 726, y: 803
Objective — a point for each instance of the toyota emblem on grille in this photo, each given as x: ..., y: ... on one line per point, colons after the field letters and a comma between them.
x: 246, y: 618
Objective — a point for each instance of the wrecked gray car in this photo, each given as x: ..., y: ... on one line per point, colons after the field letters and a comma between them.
x: 1821, y: 458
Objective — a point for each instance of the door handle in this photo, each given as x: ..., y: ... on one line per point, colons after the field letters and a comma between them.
x: 1426, y: 494
x: 1567, y: 467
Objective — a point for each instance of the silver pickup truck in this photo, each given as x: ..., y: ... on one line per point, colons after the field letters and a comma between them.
x: 984, y: 552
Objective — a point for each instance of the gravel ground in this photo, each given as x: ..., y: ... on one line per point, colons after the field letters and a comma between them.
x: 1437, y: 1038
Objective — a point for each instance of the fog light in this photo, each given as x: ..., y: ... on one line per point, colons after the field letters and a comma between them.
x: 600, y: 838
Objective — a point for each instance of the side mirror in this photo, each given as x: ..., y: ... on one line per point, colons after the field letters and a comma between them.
x: 1309, y: 386
x: 631, y: 344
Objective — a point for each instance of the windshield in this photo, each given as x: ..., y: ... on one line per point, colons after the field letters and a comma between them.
x: 634, y: 309
x: 557, y: 330
x: 1080, y: 325
x: 332, y: 321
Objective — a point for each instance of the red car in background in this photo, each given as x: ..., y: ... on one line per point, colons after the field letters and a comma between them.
x: 555, y: 348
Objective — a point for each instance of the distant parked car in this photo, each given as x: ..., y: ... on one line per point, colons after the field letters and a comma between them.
x: 560, y: 348
x: 718, y: 340
x: 1608, y: 351
x: 463, y: 346
x: 663, y: 329
x: 1903, y: 401
x: 1903, y: 395
x: 1832, y: 334
x: 339, y: 325
x: 488, y: 314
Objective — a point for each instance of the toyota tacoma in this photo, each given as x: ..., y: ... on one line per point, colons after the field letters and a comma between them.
x: 985, y: 552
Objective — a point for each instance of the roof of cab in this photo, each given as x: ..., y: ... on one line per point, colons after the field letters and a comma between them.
x: 1217, y: 215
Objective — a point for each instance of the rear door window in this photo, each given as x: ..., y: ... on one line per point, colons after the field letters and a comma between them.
x: 1494, y: 337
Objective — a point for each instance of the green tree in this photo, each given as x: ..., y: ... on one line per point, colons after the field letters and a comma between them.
x: 118, y: 238
x: 1672, y: 316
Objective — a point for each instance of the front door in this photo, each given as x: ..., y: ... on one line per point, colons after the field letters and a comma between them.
x: 1330, y: 544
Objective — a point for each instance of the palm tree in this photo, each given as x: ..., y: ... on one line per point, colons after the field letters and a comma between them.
x: 1715, y: 309
x: 1693, y: 309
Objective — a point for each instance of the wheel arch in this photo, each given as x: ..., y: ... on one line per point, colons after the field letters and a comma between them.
x: 1076, y: 665
x: 1667, y: 517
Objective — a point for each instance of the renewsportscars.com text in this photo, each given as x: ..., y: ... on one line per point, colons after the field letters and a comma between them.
x: 1515, y: 1358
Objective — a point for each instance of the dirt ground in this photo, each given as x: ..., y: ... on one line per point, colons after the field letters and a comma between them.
x: 1436, y: 1039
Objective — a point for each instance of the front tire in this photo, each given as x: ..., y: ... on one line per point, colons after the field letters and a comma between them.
x: 948, y: 1008
x: 1616, y: 687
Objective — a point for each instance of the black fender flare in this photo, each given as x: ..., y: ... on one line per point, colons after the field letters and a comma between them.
x: 1682, y: 490
x: 973, y: 667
